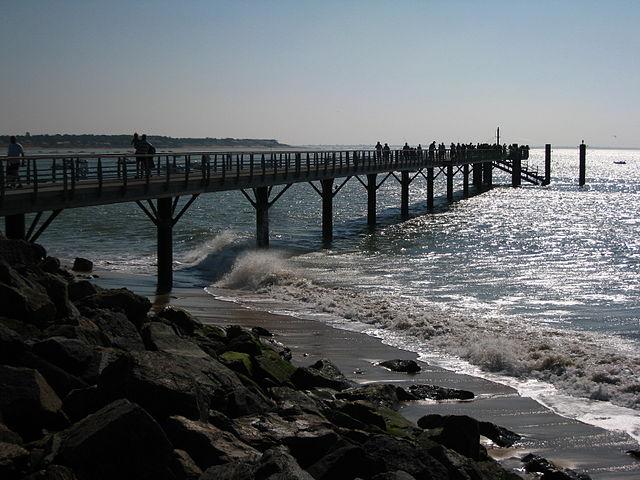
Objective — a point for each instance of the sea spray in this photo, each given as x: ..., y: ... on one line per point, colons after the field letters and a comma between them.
x: 257, y: 270
x: 199, y: 253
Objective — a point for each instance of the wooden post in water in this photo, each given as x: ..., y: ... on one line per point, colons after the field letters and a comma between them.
x: 165, y: 245
x: 262, y: 216
x: 14, y: 226
x: 404, y: 194
x: 450, y: 182
x: 465, y: 180
x: 516, y: 168
x: 547, y: 164
x: 583, y: 164
x: 487, y: 174
x: 477, y: 174
x: 430, y: 189
x: 327, y: 210
x: 371, y: 199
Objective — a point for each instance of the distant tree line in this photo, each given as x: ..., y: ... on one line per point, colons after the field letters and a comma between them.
x: 124, y: 141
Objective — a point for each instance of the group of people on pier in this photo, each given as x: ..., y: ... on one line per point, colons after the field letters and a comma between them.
x: 144, y: 151
x: 457, y: 151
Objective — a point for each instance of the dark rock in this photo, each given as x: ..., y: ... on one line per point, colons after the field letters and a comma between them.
x: 364, y: 413
x: 28, y: 404
x: 634, y: 453
x: 238, y: 362
x: 21, y: 252
x: 50, y: 265
x: 58, y: 292
x: 398, y: 365
x: 308, y: 436
x: 11, y: 344
x: 167, y: 385
x: 83, y: 401
x: 82, y: 265
x: 186, y: 323
x: 71, y: 355
x: 462, y: 434
x: 275, y: 464
x: 498, y: 435
x: 345, y: 463
x: 121, y: 440
x: 270, y: 365
x: 244, y: 342
x: 24, y: 330
x: 375, y: 393
x: 433, y: 420
x: 323, y: 373
x: 24, y: 299
x: 549, y: 471
x: 118, y: 330
x: 290, y: 401
x: 435, y: 392
x: 9, y: 436
x: 161, y: 337
x: 397, y: 454
x: 14, y: 461
x: 206, y: 444
x: 53, y: 472
x: 85, y: 330
x: 397, y: 475
x: 81, y: 289
x: 261, y: 332
x: 183, y: 466
x: 133, y: 306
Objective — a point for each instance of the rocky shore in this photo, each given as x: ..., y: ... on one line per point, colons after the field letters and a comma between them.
x: 93, y: 385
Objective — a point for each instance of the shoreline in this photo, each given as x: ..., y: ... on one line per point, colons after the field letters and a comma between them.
x: 569, y: 443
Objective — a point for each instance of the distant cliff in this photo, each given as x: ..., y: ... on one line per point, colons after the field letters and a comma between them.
x: 124, y: 141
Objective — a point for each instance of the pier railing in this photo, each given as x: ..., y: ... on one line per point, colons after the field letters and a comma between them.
x: 68, y: 173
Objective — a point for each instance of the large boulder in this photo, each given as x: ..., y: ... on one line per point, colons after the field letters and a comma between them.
x: 158, y: 336
x: 376, y: 393
x: 183, y: 466
x: 270, y: 365
x: 53, y: 472
x: 207, y: 444
x: 80, y: 289
x: 167, y: 385
x: 345, y: 463
x: 24, y: 299
x: 118, y: 331
x: 21, y: 252
x: 9, y: 436
x: 70, y: 354
x: 11, y: 344
x: 186, y: 323
x: 14, y: 461
x: 82, y: 265
x: 398, y: 365
x: 120, y: 440
x: 462, y: 434
x: 133, y: 306
x: 275, y: 464
x: 58, y: 292
x: 27, y: 402
x: 435, y: 392
x: 321, y: 374
x: 501, y: 436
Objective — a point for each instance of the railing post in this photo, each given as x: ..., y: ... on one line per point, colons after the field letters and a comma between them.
x: 547, y: 164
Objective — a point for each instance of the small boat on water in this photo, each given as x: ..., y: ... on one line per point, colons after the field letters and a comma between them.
x: 620, y: 162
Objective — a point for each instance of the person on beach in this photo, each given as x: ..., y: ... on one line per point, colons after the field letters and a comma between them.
x: 14, y: 152
x: 378, y: 151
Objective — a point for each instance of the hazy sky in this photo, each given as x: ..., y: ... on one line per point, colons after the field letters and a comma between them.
x: 331, y: 72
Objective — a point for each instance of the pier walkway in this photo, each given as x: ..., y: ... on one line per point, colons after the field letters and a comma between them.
x: 52, y: 183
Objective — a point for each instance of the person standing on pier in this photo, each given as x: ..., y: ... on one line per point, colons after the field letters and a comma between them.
x: 145, y: 152
x: 419, y: 151
x: 378, y: 151
x: 386, y: 152
x: 14, y: 151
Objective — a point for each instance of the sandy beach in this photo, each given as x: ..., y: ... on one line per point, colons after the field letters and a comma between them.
x: 567, y: 442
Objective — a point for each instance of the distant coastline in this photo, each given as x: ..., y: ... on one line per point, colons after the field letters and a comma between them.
x: 124, y: 141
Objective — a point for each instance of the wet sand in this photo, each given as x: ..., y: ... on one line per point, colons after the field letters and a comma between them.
x: 567, y: 442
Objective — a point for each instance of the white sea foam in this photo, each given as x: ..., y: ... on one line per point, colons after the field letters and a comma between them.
x: 583, y: 375
x: 216, y: 244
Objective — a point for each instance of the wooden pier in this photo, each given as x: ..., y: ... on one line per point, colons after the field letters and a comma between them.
x: 52, y: 183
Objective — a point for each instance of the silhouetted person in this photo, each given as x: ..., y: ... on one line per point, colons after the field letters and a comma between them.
x: 378, y: 151
x: 419, y: 152
x: 15, y: 151
x: 144, y: 154
x: 453, y: 151
x: 386, y: 152
x: 432, y: 151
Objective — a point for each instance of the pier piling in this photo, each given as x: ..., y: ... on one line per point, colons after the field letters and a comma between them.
x: 450, y: 183
x: 487, y: 174
x: 165, y: 245
x: 477, y: 174
x: 262, y: 216
x: 404, y: 194
x: 430, y: 189
x: 465, y: 180
x: 516, y: 168
x: 583, y: 164
x: 547, y: 164
x: 14, y: 226
x: 371, y: 199
x: 327, y: 210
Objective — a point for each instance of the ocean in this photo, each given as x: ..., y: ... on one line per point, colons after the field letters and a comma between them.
x: 536, y: 287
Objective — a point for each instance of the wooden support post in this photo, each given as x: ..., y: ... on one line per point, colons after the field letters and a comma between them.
x: 430, y: 189
x: 262, y: 216
x: 477, y: 175
x: 327, y: 210
x: 516, y: 168
x: 14, y: 226
x: 487, y: 174
x: 165, y: 245
x: 583, y: 164
x: 372, y: 187
x: 465, y: 180
x: 547, y: 164
x: 449, y: 183
x: 404, y: 193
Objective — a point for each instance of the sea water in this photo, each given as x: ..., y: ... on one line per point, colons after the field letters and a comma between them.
x: 537, y: 287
